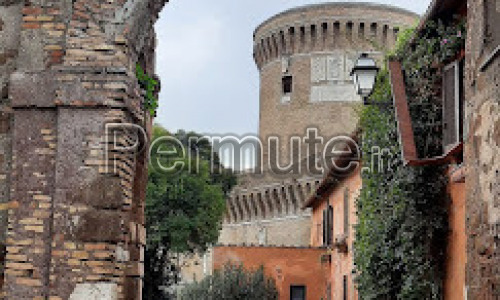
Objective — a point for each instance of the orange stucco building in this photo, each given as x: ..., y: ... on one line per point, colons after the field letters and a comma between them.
x: 334, y: 215
x: 298, y: 269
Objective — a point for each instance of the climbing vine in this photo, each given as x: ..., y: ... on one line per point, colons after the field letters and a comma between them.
x: 402, y: 218
x: 149, y: 85
x: 423, y: 61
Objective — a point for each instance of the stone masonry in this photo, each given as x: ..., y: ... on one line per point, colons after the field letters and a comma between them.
x: 483, y: 149
x: 73, y: 189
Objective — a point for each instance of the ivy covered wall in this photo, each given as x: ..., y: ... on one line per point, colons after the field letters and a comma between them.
x: 402, y: 217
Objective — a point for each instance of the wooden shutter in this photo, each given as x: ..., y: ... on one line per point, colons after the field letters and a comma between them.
x: 346, y: 291
x: 330, y: 225
x: 346, y: 212
x: 451, y: 98
x: 325, y: 227
x: 492, y: 38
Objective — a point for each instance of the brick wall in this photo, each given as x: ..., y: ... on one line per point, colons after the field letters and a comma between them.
x: 10, y: 22
x: 76, y: 227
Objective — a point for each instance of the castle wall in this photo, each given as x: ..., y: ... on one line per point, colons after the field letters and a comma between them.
x: 291, y: 231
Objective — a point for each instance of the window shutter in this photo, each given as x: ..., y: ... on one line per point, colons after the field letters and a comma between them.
x: 450, y: 106
x: 492, y: 11
x: 346, y: 212
x: 330, y: 225
x: 324, y: 227
x: 346, y: 292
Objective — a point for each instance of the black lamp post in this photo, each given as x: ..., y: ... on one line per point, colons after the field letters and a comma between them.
x: 365, y: 72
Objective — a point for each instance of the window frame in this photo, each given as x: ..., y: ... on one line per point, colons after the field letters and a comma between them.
x: 295, y: 286
x: 457, y: 65
x: 346, y: 212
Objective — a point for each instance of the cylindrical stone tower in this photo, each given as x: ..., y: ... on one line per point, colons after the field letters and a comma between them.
x: 305, y: 56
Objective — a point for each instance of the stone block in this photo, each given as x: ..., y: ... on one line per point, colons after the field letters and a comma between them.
x: 33, y: 89
x: 95, y: 291
x: 100, y: 226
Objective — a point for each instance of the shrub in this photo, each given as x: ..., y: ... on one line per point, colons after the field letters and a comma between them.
x: 232, y: 283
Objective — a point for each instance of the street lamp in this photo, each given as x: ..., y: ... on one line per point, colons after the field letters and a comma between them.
x: 364, y: 72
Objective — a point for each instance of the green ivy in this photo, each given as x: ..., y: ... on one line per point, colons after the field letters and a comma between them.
x: 149, y: 85
x: 402, y: 217
x: 435, y: 46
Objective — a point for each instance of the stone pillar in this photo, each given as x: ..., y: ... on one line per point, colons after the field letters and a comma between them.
x: 76, y: 227
x: 10, y: 25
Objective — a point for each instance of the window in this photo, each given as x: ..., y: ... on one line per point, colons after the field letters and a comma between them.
x: 302, y: 36
x: 336, y: 29
x: 314, y: 35
x: 361, y: 31
x: 297, y: 292
x: 373, y: 29
x: 385, y: 32
x: 287, y: 85
x: 346, y: 292
x: 453, y: 97
x: 492, y: 36
x: 348, y: 29
x: 346, y: 212
x: 324, y: 226
x: 396, y: 33
x: 328, y: 226
x: 324, y: 27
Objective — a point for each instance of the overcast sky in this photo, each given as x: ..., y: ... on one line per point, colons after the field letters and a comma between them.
x: 210, y: 83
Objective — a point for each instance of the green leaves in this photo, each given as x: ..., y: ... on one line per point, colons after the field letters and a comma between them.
x: 184, y: 212
x: 434, y: 46
x: 233, y: 283
x: 401, y: 217
x: 148, y: 84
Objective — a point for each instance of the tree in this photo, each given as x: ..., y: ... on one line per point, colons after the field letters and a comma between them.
x: 184, y: 209
x: 232, y: 283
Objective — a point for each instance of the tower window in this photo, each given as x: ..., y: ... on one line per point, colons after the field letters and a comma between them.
x: 287, y: 85
x: 349, y: 27
x: 373, y: 29
x: 361, y: 32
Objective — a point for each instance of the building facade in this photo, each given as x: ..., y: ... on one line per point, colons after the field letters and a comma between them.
x: 299, y: 272
x: 333, y: 219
